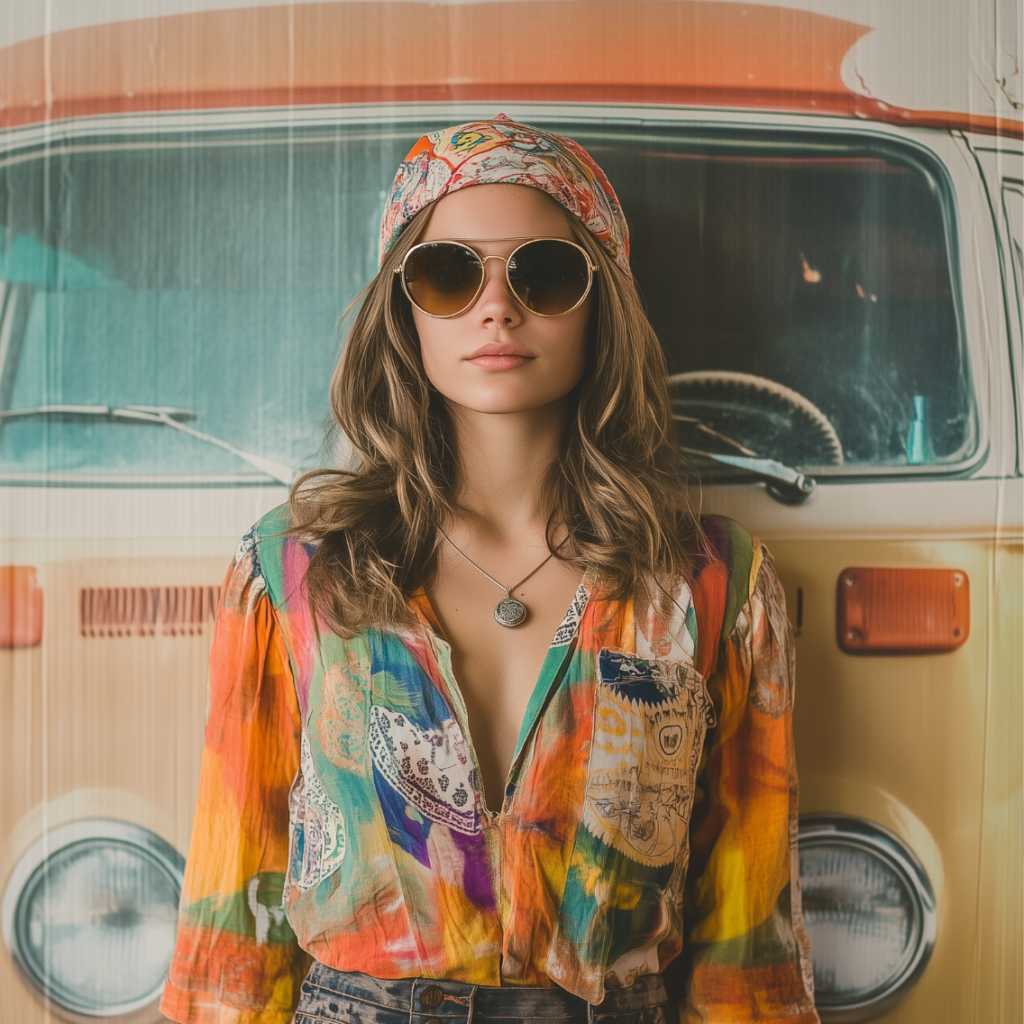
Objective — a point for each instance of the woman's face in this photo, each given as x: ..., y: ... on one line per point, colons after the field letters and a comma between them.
x: 497, y: 356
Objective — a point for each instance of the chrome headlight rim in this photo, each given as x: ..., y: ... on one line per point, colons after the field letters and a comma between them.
x: 864, y: 836
x: 20, y: 884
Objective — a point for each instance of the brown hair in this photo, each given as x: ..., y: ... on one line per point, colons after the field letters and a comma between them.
x: 615, y: 486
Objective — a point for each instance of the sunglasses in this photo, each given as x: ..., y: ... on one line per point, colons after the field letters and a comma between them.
x: 549, y: 276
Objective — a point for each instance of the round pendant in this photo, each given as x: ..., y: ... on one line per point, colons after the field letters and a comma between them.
x: 509, y: 612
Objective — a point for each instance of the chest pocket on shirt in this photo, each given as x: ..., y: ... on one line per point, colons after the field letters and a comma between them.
x: 650, y: 718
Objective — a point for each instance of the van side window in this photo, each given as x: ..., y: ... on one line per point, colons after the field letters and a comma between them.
x: 805, y: 289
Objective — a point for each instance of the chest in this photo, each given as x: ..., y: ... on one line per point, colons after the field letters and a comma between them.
x: 612, y: 744
x: 486, y: 653
x: 497, y: 667
x: 389, y: 801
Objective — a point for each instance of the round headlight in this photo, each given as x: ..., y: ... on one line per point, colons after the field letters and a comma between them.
x: 869, y: 912
x: 90, y: 915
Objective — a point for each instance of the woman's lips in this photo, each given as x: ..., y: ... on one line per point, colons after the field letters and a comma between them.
x: 500, y: 361
x: 500, y: 355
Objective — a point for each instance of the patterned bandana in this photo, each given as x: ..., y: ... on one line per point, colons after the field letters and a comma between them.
x: 503, y: 152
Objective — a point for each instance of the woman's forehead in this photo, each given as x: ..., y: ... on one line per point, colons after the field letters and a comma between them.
x: 496, y: 211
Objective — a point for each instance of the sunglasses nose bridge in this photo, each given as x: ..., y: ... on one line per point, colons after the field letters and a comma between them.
x: 501, y: 276
x: 502, y: 273
x: 498, y: 278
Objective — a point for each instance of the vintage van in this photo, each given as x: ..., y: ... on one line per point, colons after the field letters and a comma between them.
x: 826, y: 201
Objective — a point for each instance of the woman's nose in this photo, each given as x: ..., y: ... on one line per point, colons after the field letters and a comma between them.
x: 496, y: 303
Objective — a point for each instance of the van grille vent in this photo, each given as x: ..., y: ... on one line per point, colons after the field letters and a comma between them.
x: 146, y: 611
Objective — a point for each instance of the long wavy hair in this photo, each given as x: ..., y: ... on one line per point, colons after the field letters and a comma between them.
x: 616, y: 485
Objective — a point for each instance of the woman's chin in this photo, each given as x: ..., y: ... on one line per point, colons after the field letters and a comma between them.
x: 506, y: 402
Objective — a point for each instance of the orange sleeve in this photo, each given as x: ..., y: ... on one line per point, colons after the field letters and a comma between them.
x: 748, y: 951
x: 236, y: 960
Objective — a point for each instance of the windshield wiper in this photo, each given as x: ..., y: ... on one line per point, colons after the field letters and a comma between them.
x: 164, y: 415
x: 783, y: 483
x: 718, y: 436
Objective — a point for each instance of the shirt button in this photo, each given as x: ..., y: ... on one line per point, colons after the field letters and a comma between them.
x: 432, y: 997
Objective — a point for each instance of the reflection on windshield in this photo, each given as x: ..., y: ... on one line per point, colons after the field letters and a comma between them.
x: 802, y: 288
x: 160, y: 415
x: 208, y: 278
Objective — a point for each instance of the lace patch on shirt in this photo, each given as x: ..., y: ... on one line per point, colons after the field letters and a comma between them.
x: 430, y: 768
x: 317, y: 827
x: 341, y: 723
x: 649, y: 723
x: 567, y: 629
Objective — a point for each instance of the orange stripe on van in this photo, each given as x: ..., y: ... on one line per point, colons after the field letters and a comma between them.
x: 681, y: 52
x: 396, y: 45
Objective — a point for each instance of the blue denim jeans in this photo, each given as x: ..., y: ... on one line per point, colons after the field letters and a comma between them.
x: 346, y: 996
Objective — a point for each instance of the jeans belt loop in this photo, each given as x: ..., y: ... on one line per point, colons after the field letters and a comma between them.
x: 472, y: 1003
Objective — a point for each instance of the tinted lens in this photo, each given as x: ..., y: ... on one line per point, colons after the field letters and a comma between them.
x: 442, y: 278
x: 549, y: 276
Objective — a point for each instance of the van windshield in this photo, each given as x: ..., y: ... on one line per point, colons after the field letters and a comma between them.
x: 802, y: 287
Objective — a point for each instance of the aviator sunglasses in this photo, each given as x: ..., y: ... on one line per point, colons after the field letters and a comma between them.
x: 549, y: 276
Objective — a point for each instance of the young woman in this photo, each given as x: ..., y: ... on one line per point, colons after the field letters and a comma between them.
x: 496, y: 728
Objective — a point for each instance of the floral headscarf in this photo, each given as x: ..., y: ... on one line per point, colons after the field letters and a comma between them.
x: 503, y: 152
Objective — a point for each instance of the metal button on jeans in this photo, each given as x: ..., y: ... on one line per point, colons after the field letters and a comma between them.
x: 432, y: 997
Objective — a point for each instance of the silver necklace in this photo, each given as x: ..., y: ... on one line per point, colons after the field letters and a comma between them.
x: 509, y: 611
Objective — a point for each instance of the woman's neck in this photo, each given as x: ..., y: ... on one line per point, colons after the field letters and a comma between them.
x: 504, y: 461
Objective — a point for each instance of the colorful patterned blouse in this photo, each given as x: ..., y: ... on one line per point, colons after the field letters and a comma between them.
x: 650, y: 810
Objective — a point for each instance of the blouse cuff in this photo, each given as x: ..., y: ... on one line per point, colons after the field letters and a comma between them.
x: 188, y: 1007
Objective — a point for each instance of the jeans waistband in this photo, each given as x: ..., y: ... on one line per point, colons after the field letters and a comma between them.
x: 424, y: 1001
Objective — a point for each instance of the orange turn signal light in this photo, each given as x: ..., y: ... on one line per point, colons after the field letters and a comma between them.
x: 902, y: 610
x: 21, y: 606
